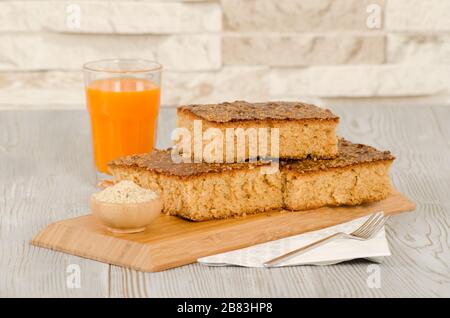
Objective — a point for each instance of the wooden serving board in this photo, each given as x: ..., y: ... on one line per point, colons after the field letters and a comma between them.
x: 171, y: 242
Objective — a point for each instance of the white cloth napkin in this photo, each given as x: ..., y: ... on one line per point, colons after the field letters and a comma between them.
x: 331, y: 253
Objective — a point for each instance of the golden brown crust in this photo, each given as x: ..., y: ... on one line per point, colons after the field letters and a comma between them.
x: 160, y: 161
x: 349, y: 154
x: 268, y: 111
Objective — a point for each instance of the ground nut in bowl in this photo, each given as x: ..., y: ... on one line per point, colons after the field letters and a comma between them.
x: 126, y: 207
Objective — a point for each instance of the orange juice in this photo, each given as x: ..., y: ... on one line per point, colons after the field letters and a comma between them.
x: 124, y: 114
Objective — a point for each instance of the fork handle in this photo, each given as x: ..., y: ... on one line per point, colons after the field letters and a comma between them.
x: 301, y: 250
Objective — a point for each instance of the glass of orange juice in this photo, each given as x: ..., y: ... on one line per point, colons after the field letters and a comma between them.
x: 123, y: 97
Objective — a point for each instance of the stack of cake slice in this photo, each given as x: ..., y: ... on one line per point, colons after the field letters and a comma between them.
x: 316, y: 168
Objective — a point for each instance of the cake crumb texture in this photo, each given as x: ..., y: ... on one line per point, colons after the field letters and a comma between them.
x: 202, y: 191
x: 304, y: 129
x: 342, y: 186
x: 213, y: 196
x: 297, y: 139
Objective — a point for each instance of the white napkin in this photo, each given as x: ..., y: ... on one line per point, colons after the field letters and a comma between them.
x: 331, y: 253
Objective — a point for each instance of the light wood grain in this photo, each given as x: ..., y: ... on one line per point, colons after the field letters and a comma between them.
x: 45, y: 174
x: 170, y: 242
x: 37, y: 180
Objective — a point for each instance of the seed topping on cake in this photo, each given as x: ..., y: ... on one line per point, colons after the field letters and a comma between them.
x: 245, y: 111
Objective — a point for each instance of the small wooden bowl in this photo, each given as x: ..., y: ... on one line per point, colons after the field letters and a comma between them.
x: 124, y: 218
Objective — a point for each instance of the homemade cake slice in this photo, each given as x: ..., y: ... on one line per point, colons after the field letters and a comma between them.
x: 202, y: 191
x: 304, y: 129
x: 358, y: 175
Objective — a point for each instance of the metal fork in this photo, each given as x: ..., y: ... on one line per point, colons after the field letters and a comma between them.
x: 365, y: 232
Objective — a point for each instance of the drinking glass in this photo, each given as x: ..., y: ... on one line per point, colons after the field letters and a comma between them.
x: 123, y: 99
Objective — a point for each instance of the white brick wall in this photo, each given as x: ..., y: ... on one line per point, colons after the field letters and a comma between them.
x: 418, y: 15
x: 303, y: 49
x: 296, y: 15
x: 230, y: 49
x: 115, y: 17
x: 360, y: 81
x: 427, y: 48
x: 48, y: 51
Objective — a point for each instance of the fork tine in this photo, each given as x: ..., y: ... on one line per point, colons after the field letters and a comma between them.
x: 375, y: 228
x: 370, y: 219
x: 367, y: 224
x: 378, y: 227
x: 369, y: 229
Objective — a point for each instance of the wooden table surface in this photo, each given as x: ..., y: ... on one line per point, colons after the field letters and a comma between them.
x: 46, y: 175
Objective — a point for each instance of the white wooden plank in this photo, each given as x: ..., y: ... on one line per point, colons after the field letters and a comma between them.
x: 43, y: 179
x: 45, y: 175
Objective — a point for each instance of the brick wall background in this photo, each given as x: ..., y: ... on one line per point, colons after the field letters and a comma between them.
x: 316, y: 50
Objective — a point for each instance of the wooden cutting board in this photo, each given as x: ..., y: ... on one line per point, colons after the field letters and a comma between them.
x: 171, y: 242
